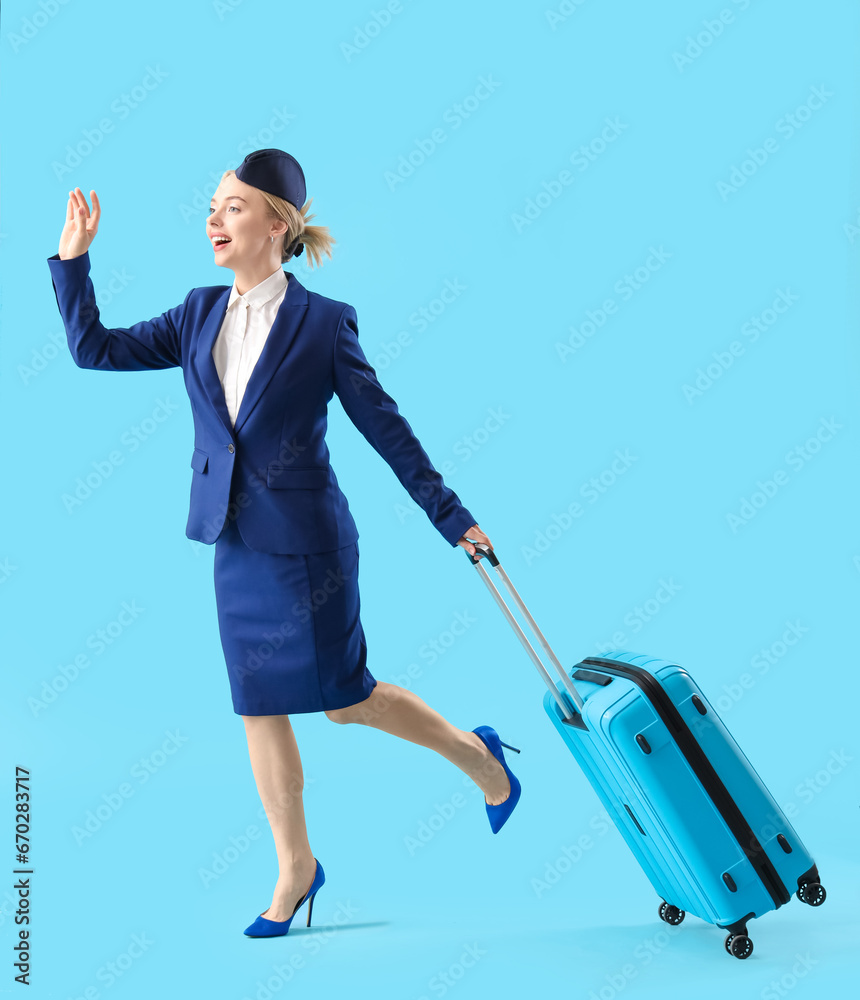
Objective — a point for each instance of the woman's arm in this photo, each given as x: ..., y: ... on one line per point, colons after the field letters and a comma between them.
x: 376, y: 415
x: 146, y: 345
x: 150, y: 344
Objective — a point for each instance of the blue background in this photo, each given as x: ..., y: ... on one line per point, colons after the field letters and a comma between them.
x: 350, y: 100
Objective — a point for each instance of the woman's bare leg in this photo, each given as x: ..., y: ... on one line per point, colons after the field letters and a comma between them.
x: 278, y: 773
x: 401, y: 712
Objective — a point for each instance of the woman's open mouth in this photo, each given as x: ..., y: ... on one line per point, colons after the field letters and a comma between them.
x: 219, y: 242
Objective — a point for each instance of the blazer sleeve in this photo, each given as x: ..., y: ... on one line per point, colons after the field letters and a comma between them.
x: 150, y: 344
x: 376, y: 415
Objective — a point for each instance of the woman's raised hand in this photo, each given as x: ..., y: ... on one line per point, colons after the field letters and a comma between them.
x: 81, y: 227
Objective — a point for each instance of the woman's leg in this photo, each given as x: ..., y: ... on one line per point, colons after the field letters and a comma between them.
x: 277, y: 769
x: 401, y: 712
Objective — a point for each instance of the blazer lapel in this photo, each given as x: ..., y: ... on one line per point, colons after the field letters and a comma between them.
x: 286, y: 324
x: 287, y: 320
x: 206, y: 363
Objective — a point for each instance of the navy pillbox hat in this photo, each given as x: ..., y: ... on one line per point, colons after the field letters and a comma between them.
x: 278, y: 173
x: 274, y: 171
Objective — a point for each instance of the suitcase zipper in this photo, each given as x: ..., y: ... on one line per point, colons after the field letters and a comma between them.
x: 704, y: 771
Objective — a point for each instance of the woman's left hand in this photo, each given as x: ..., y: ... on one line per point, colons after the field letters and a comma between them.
x: 476, y: 535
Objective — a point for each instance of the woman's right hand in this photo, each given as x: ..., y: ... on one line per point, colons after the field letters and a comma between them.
x: 81, y: 227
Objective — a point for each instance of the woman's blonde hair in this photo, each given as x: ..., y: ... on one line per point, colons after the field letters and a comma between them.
x: 316, y: 239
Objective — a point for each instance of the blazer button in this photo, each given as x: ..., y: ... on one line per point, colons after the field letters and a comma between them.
x: 230, y: 448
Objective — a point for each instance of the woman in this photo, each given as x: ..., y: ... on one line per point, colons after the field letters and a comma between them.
x: 261, y: 359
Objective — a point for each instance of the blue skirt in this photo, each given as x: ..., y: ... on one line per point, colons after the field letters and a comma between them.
x: 290, y: 628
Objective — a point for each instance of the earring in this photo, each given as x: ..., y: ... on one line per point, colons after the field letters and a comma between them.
x: 272, y: 239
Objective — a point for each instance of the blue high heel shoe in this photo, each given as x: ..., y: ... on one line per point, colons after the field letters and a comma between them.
x: 263, y: 927
x: 498, y: 814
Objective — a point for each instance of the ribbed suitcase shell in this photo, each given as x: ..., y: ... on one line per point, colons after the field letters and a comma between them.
x: 670, y: 821
x: 700, y: 821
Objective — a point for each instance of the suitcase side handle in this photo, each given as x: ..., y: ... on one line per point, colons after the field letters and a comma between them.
x: 491, y: 556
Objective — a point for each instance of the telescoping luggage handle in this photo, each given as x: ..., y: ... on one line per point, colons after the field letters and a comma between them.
x: 506, y: 611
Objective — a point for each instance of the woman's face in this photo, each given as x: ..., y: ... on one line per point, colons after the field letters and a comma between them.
x: 237, y: 211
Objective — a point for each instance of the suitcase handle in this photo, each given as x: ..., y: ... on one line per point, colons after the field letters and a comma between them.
x: 490, y: 555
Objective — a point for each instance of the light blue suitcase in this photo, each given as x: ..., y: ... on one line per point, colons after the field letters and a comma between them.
x: 703, y: 826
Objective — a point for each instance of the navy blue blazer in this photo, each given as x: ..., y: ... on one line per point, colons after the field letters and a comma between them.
x: 271, y: 471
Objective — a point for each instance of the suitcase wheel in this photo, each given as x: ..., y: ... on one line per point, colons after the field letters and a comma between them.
x: 811, y: 893
x: 671, y: 914
x: 739, y: 945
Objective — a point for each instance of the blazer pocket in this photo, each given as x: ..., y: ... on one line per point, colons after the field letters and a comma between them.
x: 281, y: 477
x: 199, y: 460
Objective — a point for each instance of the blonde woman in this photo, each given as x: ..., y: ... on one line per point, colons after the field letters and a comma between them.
x: 261, y: 359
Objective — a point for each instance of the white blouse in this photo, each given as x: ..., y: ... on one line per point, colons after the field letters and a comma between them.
x: 243, y: 334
